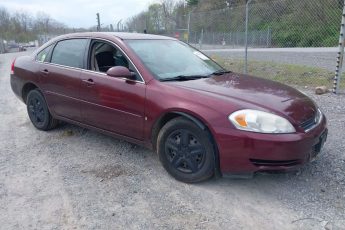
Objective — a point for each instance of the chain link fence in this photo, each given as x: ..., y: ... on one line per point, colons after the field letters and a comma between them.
x: 291, y: 41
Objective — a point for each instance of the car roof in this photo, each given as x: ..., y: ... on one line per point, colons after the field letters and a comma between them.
x: 104, y: 35
x: 120, y: 35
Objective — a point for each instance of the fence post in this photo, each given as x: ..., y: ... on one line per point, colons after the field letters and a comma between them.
x: 188, y: 26
x: 201, y: 38
x: 340, y: 57
x: 268, y: 39
x: 246, y: 38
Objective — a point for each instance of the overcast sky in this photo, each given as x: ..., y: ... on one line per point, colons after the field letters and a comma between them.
x: 80, y: 13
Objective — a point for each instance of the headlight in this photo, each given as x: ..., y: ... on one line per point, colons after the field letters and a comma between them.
x: 260, y: 122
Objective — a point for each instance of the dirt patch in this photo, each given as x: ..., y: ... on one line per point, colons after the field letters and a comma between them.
x: 71, y: 130
x: 67, y: 133
x: 107, y: 172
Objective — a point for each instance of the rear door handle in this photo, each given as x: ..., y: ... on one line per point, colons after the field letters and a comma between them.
x: 89, y: 82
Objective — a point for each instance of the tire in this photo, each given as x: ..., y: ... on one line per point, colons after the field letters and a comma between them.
x: 38, y: 111
x: 186, y: 151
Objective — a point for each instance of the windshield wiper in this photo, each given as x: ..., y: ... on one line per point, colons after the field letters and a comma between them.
x: 194, y: 77
x: 221, y: 72
x: 184, y: 78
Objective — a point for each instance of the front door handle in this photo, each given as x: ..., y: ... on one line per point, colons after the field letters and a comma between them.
x: 89, y: 82
x: 45, y: 72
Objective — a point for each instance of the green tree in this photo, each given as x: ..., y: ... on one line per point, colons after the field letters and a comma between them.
x: 192, y: 2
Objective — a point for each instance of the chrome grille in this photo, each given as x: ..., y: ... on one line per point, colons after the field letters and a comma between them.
x: 312, y: 122
x: 308, y: 124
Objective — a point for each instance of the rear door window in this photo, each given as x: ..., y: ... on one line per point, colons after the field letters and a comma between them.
x: 70, y: 53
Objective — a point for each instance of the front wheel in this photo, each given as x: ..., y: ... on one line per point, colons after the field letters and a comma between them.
x: 38, y: 111
x: 186, y: 151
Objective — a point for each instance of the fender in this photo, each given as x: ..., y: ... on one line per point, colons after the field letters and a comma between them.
x: 196, y: 121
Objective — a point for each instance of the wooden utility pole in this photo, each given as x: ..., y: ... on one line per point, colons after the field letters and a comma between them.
x: 98, y: 22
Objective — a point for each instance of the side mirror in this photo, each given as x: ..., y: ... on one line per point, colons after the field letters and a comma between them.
x: 120, y: 71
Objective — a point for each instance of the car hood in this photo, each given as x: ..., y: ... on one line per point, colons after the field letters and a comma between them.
x: 269, y: 95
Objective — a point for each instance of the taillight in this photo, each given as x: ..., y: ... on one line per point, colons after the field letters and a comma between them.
x: 12, y: 66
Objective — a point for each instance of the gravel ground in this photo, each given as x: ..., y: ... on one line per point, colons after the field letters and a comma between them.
x: 74, y: 178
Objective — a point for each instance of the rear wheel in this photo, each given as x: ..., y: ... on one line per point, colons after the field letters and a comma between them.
x: 186, y: 151
x: 38, y: 111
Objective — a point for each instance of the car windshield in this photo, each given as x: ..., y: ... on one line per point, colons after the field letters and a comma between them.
x: 171, y: 59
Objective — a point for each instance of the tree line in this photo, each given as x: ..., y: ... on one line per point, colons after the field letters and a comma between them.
x: 168, y: 15
x: 292, y: 22
x: 22, y: 26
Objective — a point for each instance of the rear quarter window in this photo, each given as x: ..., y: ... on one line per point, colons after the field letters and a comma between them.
x: 42, y: 56
x: 70, y: 53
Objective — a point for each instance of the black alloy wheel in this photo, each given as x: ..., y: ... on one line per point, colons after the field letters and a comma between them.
x: 186, y: 151
x: 38, y: 111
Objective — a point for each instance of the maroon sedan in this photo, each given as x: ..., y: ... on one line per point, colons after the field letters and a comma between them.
x: 161, y: 93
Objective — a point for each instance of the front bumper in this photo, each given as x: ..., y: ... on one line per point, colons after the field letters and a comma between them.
x: 246, y: 152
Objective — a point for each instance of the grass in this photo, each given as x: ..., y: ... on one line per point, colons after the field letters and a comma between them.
x: 286, y: 73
